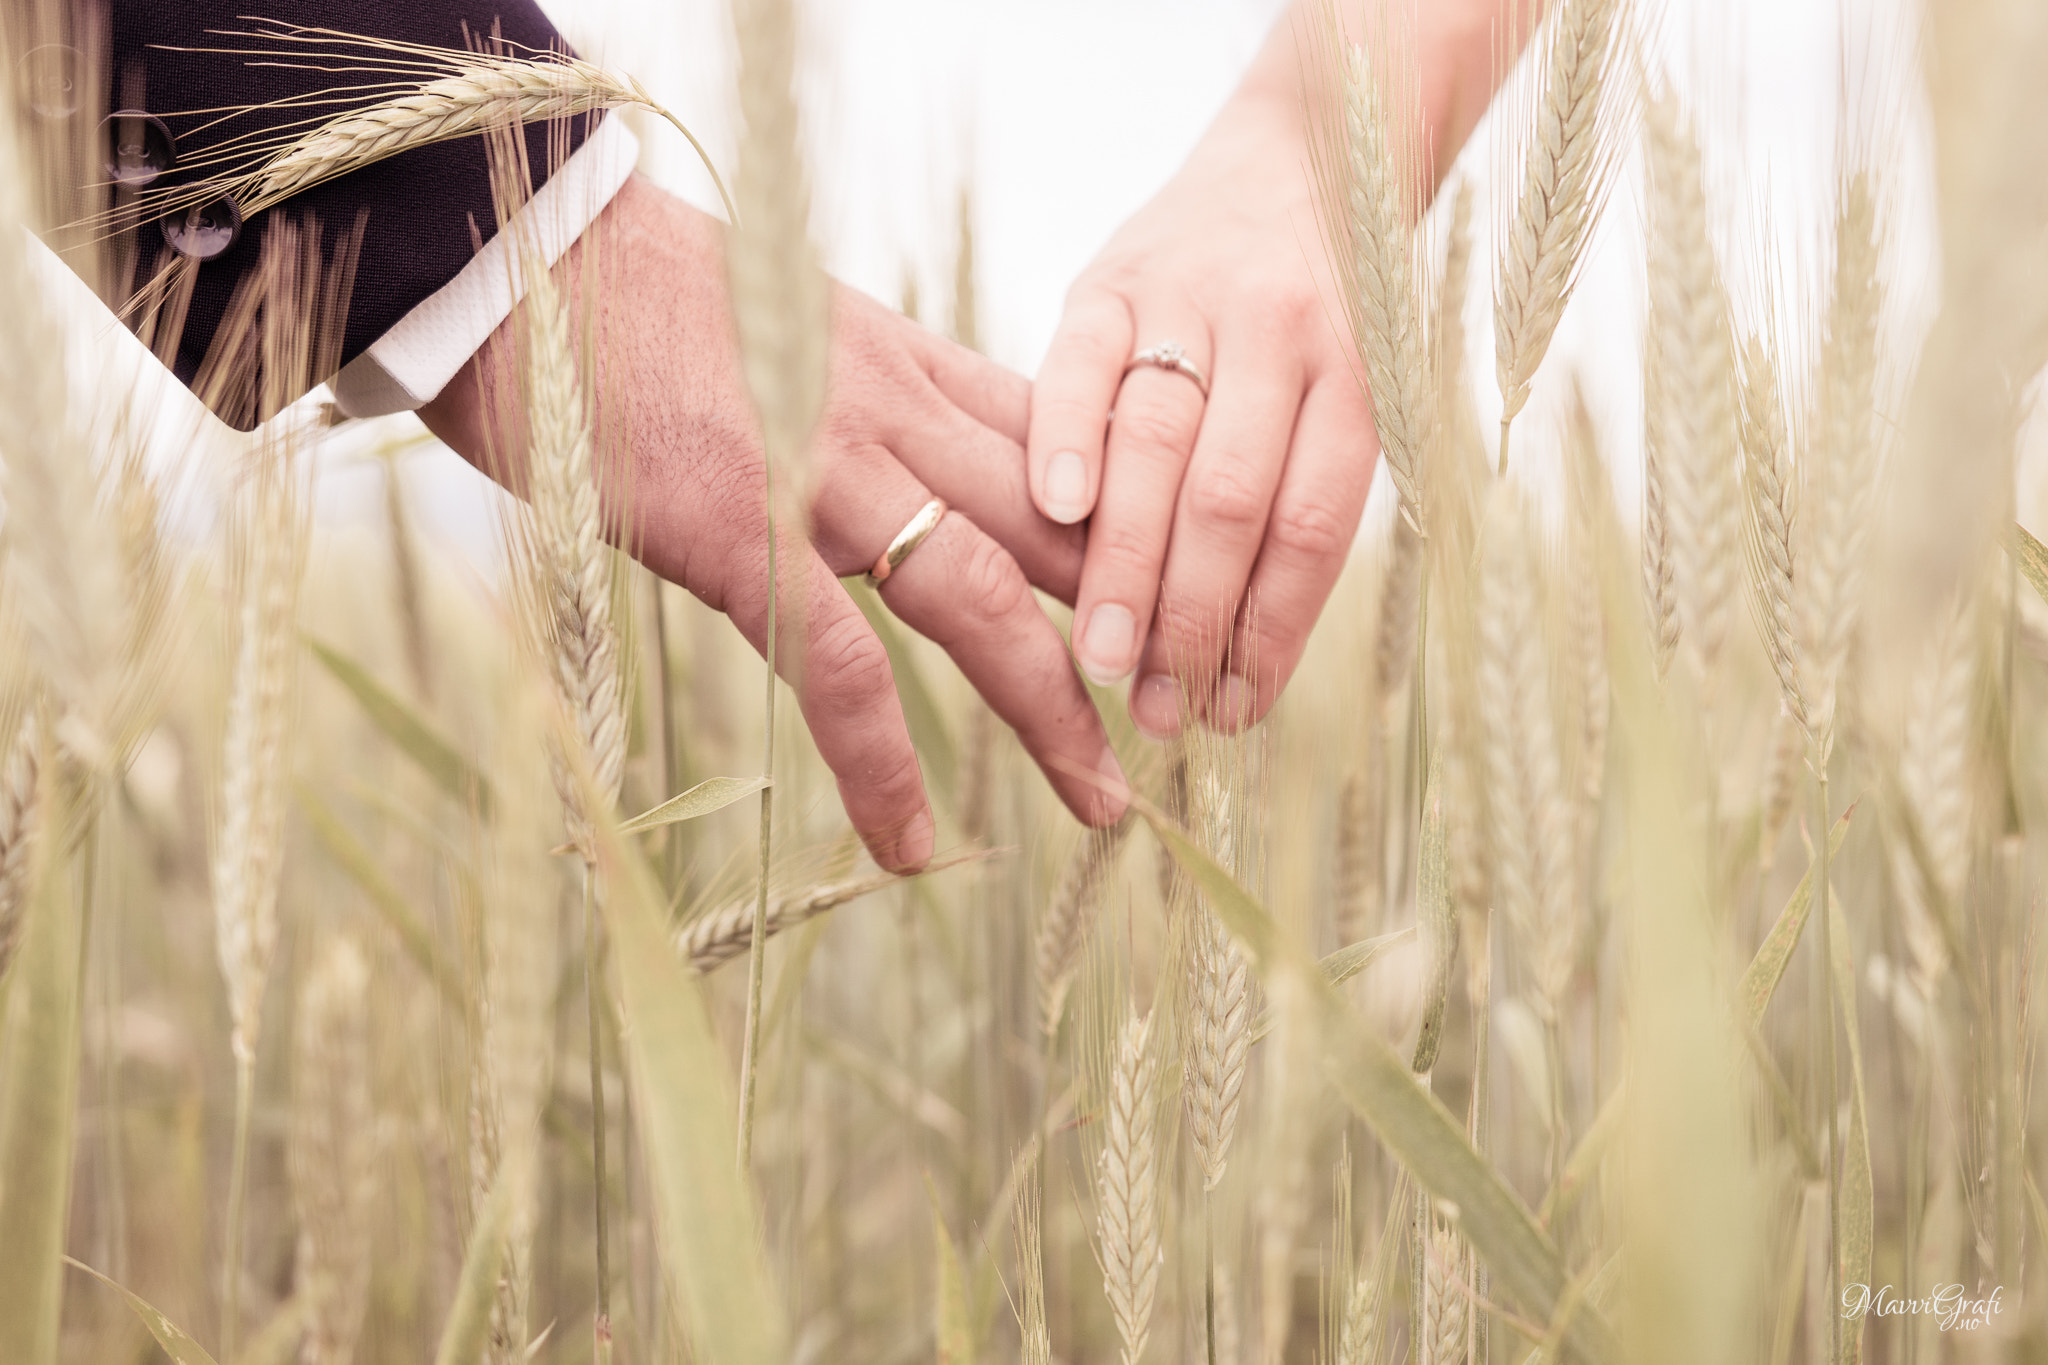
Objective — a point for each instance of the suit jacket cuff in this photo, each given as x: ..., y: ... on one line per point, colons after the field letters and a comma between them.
x: 409, y: 365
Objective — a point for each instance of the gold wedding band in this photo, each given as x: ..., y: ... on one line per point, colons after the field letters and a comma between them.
x: 909, y: 538
x: 1170, y: 355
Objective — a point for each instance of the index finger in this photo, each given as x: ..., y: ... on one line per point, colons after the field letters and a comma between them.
x: 1070, y: 403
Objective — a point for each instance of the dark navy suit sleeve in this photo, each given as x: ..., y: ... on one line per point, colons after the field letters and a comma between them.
x: 421, y: 213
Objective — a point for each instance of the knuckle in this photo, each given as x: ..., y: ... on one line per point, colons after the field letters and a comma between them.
x: 991, y: 580
x: 1309, y: 530
x: 1127, y: 552
x: 895, y: 777
x: 1225, y: 499
x: 1153, y: 429
x: 849, y: 667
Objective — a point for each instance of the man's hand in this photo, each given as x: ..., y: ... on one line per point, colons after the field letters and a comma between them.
x: 909, y: 416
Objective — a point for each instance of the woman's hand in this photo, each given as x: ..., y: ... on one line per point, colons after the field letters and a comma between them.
x: 1217, y: 528
x: 908, y: 416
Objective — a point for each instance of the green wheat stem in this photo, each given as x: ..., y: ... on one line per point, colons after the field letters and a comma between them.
x: 238, y: 1188
x: 592, y: 982
x: 757, y: 948
x: 1828, y: 1064
x: 1209, y: 1272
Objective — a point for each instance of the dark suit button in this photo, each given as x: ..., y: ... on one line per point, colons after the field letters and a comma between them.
x: 203, y: 231
x: 51, y: 78
x: 138, y: 148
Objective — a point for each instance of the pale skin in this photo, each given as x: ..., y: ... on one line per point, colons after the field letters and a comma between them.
x: 1255, y: 499
x: 1217, y: 529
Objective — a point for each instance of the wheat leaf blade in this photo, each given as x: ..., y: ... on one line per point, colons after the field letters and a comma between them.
x: 177, y: 1343
x: 1774, y: 954
x: 707, y: 1225
x: 468, y: 1327
x: 402, y: 724
x: 37, y: 1103
x: 362, y: 867
x: 2032, y: 557
x: 712, y: 794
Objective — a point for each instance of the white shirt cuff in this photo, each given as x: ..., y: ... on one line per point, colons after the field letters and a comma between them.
x: 410, y: 364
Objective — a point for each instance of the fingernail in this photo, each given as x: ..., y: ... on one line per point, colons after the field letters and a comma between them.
x: 1155, y: 707
x: 1232, y: 709
x: 914, y: 845
x: 1107, y: 644
x: 1066, y: 486
x: 1115, y: 791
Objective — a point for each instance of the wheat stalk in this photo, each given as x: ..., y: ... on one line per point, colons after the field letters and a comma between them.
x: 1063, y: 928
x: 1127, y: 1185
x: 1571, y: 139
x: 1036, y: 1346
x: 332, y: 1150
x: 1689, y: 392
x: 781, y: 312
x: 512, y: 1070
x: 1531, y: 820
x: 1369, y: 168
x: 20, y: 783
x: 250, y: 856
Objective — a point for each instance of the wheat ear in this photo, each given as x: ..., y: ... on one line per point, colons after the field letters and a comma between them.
x: 469, y: 93
x: 572, y: 563
x: 1689, y: 394
x: 20, y: 772
x: 1369, y: 168
x: 1836, y: 488
x: 1767, y: 541
x: 333, y: 1150
x: 1531, y: 820
x: 1587, y: 535
x: 1571, y: 145
x: 1356, y: 875
x: 1444, y: 1308
x: 1063, y: 929
x: 255, y: 769
x: 718, y: 936
x: 250, y: 855
x: 1934, y: 765
x: 1780, y: 784
x: 1127, y: 1185
x: 1218, y: 1039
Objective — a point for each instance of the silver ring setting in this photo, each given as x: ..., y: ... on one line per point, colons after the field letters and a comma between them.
x: 1171, y: 355
x: 914, y: 534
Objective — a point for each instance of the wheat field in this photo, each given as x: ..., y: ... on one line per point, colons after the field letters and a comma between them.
x: 1619, y: 944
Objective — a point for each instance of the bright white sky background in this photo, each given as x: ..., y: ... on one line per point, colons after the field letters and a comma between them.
x: 1066, y: 115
